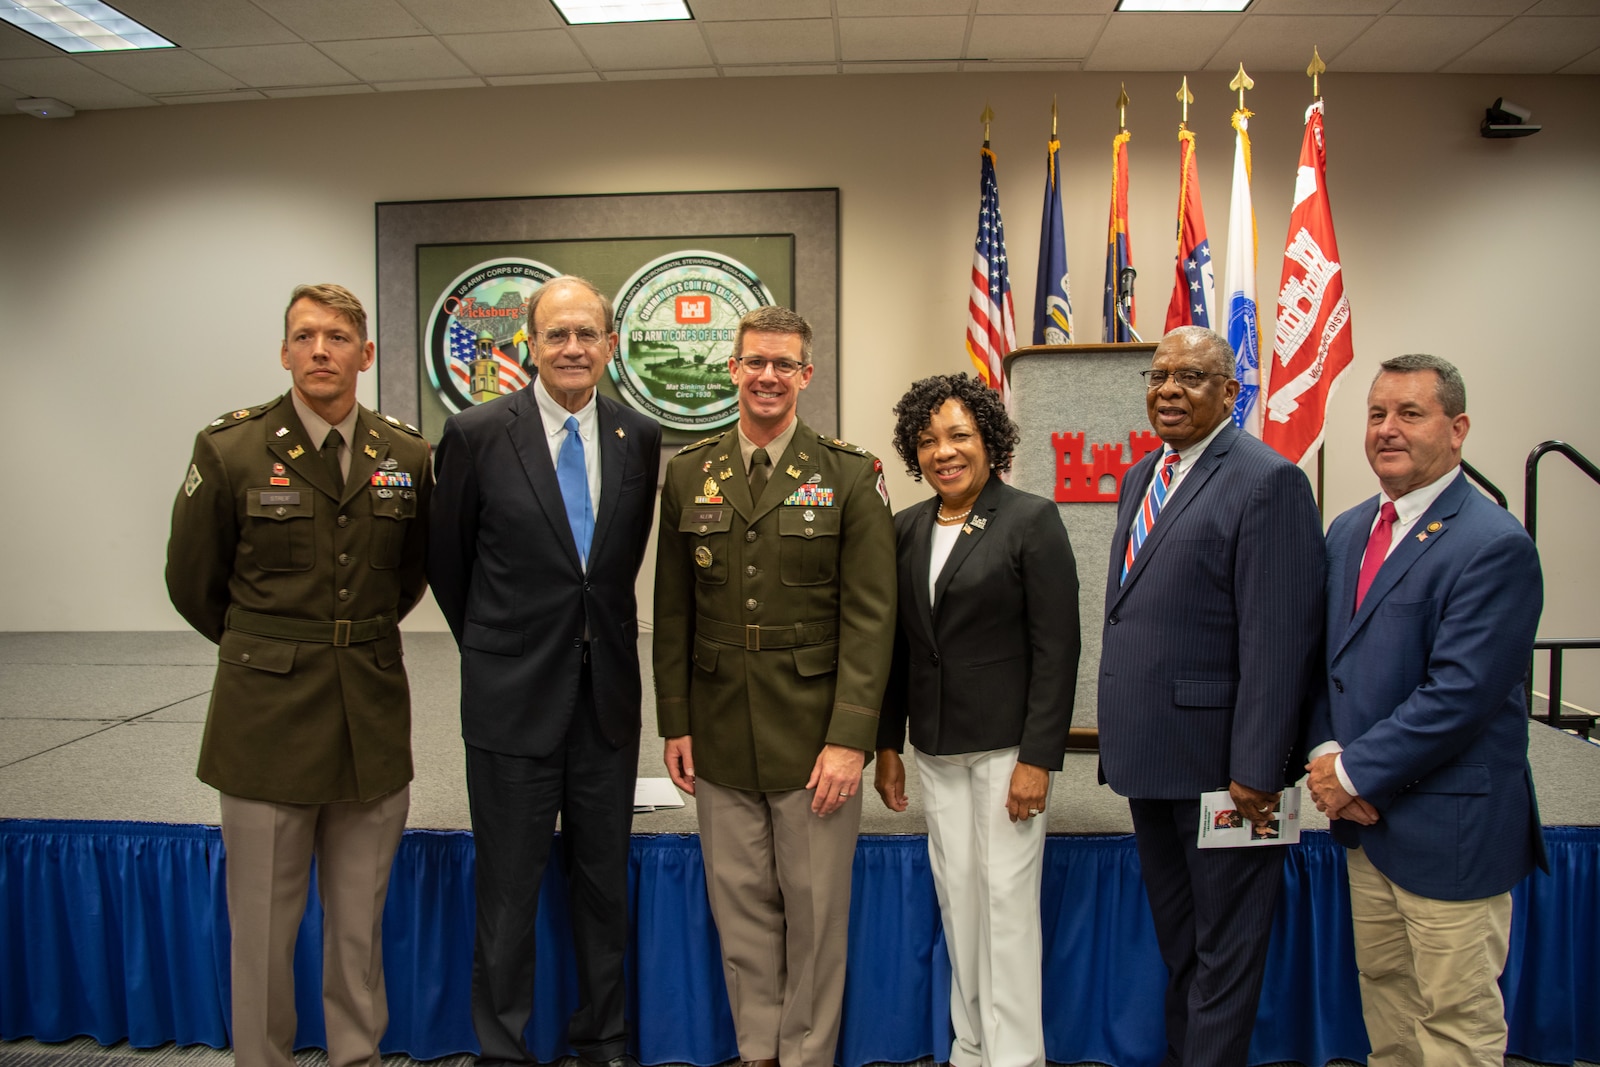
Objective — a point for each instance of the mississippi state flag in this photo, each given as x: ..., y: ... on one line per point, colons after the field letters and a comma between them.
x: 1119, y: 244
x: 1194, y: 286
x: 1052, y: 301
x: 1311, y: 345
x: 1239, y: 281
x: 991, y: 325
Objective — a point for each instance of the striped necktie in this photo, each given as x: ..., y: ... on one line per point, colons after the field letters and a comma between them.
x: 1146, y: 519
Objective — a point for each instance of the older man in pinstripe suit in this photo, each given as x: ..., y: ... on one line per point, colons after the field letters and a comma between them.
x: 1212, y: 629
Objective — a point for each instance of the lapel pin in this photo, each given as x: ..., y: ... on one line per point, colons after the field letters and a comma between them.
x: 371, y: 432
x: 621, y: 433
x: 297, y: 451
x: 803, y: 457
x: 793, y: 472
x: 967, y: 529
x: 725, y: 475
x: 980, y: 522
x: 372, y: 453
x: 242, y: 413
x: 1435, y: 527
x: 280, y: 431
x: 277, y: 468
x: 390, y: 464
x: 722, y: 457
x: 705, y: 468
x: 815, y: 479
x: 1422, y: 537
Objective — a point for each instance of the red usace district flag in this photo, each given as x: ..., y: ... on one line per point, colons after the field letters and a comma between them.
x: 1311, y: 346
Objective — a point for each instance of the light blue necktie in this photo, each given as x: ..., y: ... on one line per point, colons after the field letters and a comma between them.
x: 573, y: 475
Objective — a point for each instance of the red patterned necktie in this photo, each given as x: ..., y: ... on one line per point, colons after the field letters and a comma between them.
x: 1377, y: 551
x: 1146, y: 519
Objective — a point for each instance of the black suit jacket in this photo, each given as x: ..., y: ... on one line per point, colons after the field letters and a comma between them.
x: 993, y: 661
x: 505, y: 571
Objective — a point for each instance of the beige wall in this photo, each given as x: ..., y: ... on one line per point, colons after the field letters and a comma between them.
x: 145, y: 255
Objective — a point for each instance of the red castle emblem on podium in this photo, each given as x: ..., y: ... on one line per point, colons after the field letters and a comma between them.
x: 1079, y: 481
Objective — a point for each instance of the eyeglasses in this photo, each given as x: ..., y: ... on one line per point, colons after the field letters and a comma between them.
x: 557, y: 336
x: 783, y: 368
x: 1189, y: 379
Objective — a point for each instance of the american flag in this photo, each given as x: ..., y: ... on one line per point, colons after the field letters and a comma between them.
x: 992, y: 324
x: 464, y: 349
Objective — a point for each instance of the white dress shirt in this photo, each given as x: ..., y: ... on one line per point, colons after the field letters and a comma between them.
x: 555, y: 429
x: 944, y: 542
x: 1187, y: 458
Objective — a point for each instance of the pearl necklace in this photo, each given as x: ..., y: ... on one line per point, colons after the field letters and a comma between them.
x: 949, y: 520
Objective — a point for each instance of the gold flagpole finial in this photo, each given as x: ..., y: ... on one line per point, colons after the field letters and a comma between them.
x: 1185, y: 97
x: 1052, y: 116
x: 1316, y: 68
x: 1122, y: 108
x: 986, y: 118
x: 1242, y: 81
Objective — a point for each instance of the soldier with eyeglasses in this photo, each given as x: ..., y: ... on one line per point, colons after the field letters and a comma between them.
x: 775, y: 605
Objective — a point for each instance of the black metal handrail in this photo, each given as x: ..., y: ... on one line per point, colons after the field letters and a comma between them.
x: 1555, y: 646
x: 1488, y: 486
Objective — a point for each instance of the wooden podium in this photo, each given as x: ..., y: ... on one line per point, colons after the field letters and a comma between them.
x: 1081, y: 412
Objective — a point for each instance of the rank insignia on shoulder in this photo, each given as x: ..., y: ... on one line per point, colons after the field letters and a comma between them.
x: 218, y: 422
x: 297, y: 451
x: 391, y: 420
x: 192, y: 482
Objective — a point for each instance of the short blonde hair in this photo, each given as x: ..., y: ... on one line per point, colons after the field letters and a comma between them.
x: 335, y: 298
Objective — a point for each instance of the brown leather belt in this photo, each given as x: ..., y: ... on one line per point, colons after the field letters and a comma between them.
x: 763, y: 638
x: 340, y: 632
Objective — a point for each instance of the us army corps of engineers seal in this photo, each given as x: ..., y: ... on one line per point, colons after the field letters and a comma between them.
x: 677, y: 317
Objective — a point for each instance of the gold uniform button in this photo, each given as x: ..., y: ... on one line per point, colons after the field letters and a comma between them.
x: 750, y: 572
x: 808, y: 531
x: 749, y: 535
x: 343, y: 520
x: 344, y: 594
x: 704, y: 528
x: 244, y: 657
x: 751, y: 604
x: 344, y: 559
x: 283, y: 511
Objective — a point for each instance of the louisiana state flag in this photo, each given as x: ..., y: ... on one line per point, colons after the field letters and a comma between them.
x: 1052, y: 301
x: 991, y: 322
x: 1194, y: 285
x: 1311, y: 344
x: 1119, y: 243
x: 1239, y: 282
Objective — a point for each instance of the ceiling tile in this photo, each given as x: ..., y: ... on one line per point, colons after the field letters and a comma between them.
x: 1318, y: 7
x: 396, y: 59
x: 484, y: 16
x: 212, y: 98
x: 347, y: 20
x: 425, y: 84
x: 320, y: 90
x: 1033, y: 36
x: 1160, y: 42
x: 775, y: 70
x: 524, y: 52
x: 1048, y: 7
x: 909, y: 8
x: 1402, y: 44
x: 644, y: 46
x: 207, y: 23
x: 1275, y: 42
x: 949, y: 66
x: 166, y: 71
x: 543, y: 79
x: 1460, y: 7
x: 1589, y: 64
x: 982, y: 66
x: 68, y: 81
x: 14, y: 44
x: 1531, y: 46
x: 934, y: 37
x: 660, y: 75
x: 724, y: 10
x: 779, y: 41
x: 277, y: 65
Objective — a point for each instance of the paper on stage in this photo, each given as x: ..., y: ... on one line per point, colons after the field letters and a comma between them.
x: 652, y: 794
x: 1223, y: 825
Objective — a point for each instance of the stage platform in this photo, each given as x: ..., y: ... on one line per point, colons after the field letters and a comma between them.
x: 114, y: 922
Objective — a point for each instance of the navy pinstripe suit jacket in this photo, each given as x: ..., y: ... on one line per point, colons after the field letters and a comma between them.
x: 1211, y: 645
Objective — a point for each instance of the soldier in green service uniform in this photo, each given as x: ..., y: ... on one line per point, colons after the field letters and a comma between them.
x: 775, y: 602
x: 297, y: 544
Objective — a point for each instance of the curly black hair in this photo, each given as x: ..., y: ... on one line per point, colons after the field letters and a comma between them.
x: 915, y: 410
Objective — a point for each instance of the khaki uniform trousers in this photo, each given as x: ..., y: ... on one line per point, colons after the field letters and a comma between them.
x: 1430, y: 971
x: 778, y: 881
x: 269, y: 849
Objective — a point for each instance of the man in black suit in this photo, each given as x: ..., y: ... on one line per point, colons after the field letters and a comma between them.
x: 544, y: 507
x: 1213, y: 625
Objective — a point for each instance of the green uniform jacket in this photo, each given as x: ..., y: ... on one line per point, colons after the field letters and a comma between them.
x: 302, y: 721
x: 774, y: 620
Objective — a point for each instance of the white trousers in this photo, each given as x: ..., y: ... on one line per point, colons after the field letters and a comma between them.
x: 986, y: 871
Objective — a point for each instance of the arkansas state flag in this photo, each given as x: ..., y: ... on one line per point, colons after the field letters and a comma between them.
x: 1311, y: 345
x: 1194, y: 287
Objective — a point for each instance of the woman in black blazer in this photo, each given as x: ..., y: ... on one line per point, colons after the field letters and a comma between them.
x: 985, y: 669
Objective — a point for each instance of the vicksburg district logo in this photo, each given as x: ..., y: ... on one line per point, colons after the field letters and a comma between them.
x: 677, y: 317
x: 476, y: 343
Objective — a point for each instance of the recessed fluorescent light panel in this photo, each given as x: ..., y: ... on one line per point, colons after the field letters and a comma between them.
x: 80, y: 25
x: 592, y: 12
x: 1182, y: 5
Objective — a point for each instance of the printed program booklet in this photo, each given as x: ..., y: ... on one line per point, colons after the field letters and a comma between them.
x: 1223, y: 825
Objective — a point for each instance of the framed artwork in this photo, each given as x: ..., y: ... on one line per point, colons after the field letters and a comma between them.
x: 454, y: 277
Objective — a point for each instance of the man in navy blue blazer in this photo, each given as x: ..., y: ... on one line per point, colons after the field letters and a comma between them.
x: 1420, y: 734
x: 1212, y: 628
